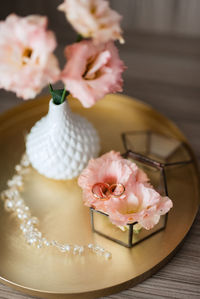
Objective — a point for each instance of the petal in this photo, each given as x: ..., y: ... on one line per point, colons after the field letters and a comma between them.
x: 99, y: 62
x: 149, y: 222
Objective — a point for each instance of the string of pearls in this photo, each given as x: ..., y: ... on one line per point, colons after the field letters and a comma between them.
x: 14, y: 203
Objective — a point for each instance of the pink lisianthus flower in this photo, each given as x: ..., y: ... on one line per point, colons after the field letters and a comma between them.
x: 26, y: 60
x: 139, y: 203
x: 92, y: 71
x: 93, y: 19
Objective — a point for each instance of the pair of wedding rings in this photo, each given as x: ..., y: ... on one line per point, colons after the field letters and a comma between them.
x: 104, y: 191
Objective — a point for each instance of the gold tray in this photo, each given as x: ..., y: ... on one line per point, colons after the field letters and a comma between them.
x: 50, y: 274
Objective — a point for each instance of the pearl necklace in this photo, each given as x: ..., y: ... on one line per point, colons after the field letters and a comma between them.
x: 14, y: 203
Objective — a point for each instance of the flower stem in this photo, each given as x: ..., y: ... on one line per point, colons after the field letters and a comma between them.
x: 63, y: 96
x: 58, y: 95
x: 79, y: 38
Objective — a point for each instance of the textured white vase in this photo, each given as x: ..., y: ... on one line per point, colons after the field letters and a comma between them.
x: 60, y: 145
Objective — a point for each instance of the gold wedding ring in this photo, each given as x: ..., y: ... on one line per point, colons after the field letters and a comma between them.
x: 104, y: 191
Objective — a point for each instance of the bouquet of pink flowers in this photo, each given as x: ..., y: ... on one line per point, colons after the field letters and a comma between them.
x: 93, y: 68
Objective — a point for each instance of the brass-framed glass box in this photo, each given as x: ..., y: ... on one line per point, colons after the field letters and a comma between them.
x: 158, y: 156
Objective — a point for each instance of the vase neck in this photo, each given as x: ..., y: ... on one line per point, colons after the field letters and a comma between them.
x: 58, y: 113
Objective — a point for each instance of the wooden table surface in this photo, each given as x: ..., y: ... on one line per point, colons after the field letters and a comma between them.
x: 163, y: 71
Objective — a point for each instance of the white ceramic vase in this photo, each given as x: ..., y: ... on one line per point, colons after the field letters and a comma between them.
x: 60, y: 145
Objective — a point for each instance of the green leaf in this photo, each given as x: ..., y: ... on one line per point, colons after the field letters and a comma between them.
x: 79, y: 38
x: 58, y: 95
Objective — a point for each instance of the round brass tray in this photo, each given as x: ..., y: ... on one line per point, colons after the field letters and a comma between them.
x: 58, y: 204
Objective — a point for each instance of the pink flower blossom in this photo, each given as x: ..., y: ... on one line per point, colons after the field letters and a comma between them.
x: 139, y: 203
x: 93, y: 18
x: 92, y: 71
x: 26, y: 60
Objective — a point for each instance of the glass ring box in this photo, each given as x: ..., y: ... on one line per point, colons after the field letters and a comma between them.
x: 158, y: 156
